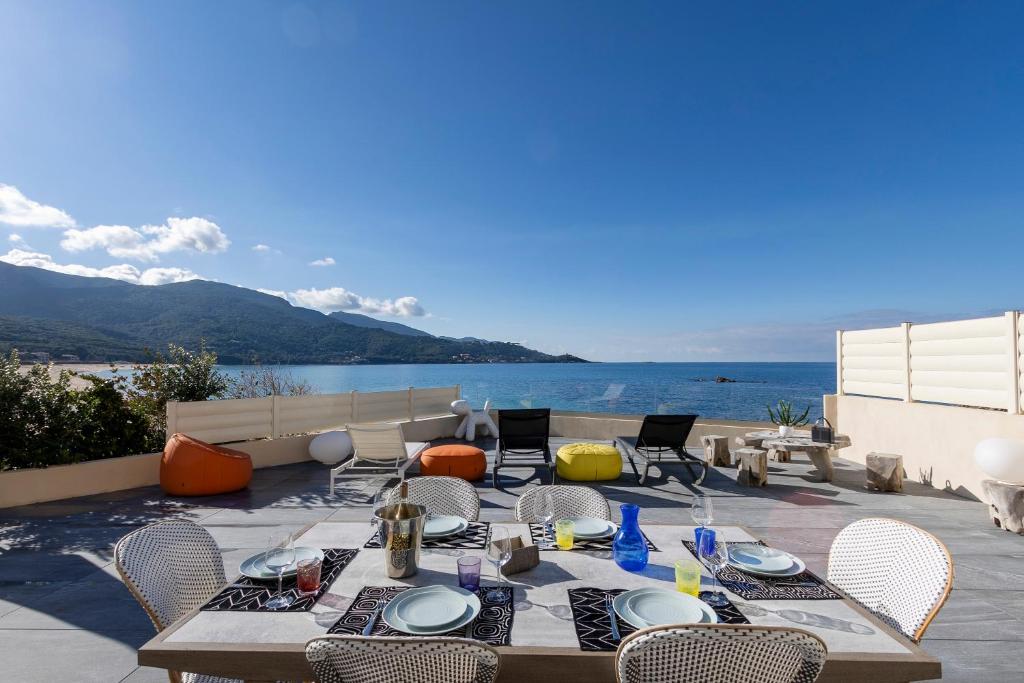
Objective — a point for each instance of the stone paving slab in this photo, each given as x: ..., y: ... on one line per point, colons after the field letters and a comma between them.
x: 58, y: 587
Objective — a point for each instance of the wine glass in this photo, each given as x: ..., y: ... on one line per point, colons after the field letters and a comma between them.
x: 546, y: 512
x: 702, y: 511
x: 379, y: 500
x: 280, y: 554
x: 499, y: 552
x: 715, y: 556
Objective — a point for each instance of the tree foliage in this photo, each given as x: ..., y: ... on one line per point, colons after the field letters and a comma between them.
x: 44, y: 420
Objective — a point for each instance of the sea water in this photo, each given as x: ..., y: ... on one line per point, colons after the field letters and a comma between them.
x: 625, y: 388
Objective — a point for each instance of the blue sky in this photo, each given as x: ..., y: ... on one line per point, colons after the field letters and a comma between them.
x: 636, y: 181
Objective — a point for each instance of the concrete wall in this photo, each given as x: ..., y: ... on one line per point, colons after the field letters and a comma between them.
x: 936, y: 441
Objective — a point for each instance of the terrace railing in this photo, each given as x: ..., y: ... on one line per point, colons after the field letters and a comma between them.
x: 975, y: 363
x: 276, y: 416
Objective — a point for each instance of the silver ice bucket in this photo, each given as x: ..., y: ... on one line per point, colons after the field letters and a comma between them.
x: 401, y: 535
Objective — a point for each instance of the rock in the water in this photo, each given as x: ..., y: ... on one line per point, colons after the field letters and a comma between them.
x: 723, y: 380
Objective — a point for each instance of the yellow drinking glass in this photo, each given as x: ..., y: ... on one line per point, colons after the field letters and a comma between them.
x: 688, y: 577
x: 564, y: 529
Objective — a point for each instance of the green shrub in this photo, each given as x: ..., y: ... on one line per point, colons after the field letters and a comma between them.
x: 45, y: 421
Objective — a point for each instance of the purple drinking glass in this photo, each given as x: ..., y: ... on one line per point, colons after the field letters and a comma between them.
x: 469, y: 573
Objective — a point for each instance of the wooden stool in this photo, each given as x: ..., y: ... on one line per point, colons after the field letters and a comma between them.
x: 716, y: 450
x: 884, y: 471
x: 779, y: 455
x: 1005, y: 504
x: 752, y: 467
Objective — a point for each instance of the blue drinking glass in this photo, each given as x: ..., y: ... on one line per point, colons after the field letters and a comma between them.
x: 705, y: 539
x: 629, y: 548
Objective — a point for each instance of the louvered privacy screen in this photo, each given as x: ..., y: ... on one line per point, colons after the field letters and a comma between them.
x: 976, y: 363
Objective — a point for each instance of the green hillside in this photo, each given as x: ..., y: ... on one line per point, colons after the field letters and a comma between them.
x: 101, y: 320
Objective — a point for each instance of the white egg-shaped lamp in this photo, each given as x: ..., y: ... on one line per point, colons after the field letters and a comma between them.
x: 330, y: 448
x: 1001, y: 459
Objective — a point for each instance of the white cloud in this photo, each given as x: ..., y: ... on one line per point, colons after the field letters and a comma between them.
x: 327, y: 261
x: 148, y: 243
x: 123, y: 271
x: 261, y: 247
x: 17, y: 240
x: 340, y: 299
x: 18, y: 210
x: 273, y: 292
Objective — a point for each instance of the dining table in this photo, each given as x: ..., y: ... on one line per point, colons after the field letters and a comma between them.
x: 544, y: 643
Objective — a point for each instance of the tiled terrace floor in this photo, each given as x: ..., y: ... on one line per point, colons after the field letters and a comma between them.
x: 64, y: 615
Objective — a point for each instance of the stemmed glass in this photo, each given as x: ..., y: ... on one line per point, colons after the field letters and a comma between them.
x: 546, y: 512
x: 499, y: 552
x: 379, y: 498
x: 702, y: 511
x: 280, y: 553
x: 715, y: 556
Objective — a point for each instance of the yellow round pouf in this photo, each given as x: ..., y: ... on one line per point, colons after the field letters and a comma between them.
x: 588, y: 462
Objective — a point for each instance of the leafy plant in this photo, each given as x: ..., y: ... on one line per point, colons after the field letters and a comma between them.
x: 187, y: 377
x: 785, y: 415
x: 45, y: 421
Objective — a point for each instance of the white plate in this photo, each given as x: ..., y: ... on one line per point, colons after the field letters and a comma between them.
x: 591, y: 527
x: 798, y: 567
x: 655, y: 606
x: 444, y: 525
x: 430, y: 609
x: 255, y: 568
x: 471, y: 608
x: 752, y: 556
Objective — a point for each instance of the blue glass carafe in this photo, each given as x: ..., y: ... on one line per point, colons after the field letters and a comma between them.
x: 629, y: 546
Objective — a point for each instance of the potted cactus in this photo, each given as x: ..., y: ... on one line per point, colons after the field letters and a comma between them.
x: 787, y: 418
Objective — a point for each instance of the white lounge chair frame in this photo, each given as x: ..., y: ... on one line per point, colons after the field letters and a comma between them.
x: 379, y: 448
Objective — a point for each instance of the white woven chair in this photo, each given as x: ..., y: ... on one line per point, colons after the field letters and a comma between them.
x: 568, y: 501
x: 355, y: 659
x: 171, y: 568
x: 901, y: 573
x: 718, y: 652
x: 378, y: 448
x: 441, y: 496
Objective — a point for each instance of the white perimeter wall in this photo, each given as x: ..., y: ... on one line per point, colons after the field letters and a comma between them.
x: 936, y: 441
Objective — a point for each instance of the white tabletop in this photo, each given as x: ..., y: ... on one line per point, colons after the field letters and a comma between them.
x: 542, y: 617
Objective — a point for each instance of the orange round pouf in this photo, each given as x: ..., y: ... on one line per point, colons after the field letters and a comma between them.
x: 454, y: 460
x: 191, y: 467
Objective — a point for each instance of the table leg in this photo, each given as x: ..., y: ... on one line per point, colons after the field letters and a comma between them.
x: 822, y: 460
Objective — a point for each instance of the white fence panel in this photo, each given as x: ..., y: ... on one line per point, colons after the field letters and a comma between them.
x: 976, y: 363
x: 873, y: 362
x: 259, y: 418
x: 433, y: 402
x: 963, y: 345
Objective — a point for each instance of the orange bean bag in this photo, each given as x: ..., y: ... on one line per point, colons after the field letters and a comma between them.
x: 454, y: 460
x: 191, y: 467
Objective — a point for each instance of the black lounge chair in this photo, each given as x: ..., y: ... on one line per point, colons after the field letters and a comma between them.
x: 660, y: 434
x: 522, y: 437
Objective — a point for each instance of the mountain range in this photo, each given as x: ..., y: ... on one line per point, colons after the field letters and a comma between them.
x: 100, y: 319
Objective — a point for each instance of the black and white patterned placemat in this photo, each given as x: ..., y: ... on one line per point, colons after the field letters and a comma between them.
x: 593, y: 625
x: 545, y: 541
x: 473, y: 538
x: 493, y: 625
x: 250, y: 595
x: 802, y: 586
